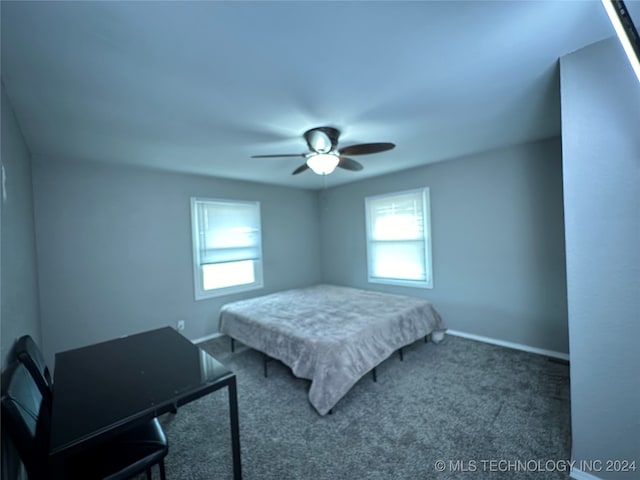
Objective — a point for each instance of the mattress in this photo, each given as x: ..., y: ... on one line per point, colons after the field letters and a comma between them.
x: 328, y: 334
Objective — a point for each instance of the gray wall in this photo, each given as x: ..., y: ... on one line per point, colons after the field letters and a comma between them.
x: 19, y: 306
x: 498, y: 241
x: 19, y: 310
x: 601, y: 150
x: 115, y: 253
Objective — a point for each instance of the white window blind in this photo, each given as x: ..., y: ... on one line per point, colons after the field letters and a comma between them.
x: 398, y: 238
x: 227, y: 246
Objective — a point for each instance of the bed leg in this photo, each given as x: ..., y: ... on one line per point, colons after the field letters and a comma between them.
x: 265, y: 359
x: 233, y: 345
x: 426, y: 338
x: 401, y: 354
x: 375, y: 376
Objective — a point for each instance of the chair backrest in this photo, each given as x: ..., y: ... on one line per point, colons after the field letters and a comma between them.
x: 30, y: 355
x: 26, y: 419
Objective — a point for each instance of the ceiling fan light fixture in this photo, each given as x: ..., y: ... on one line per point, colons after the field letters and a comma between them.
x: 323, y: 163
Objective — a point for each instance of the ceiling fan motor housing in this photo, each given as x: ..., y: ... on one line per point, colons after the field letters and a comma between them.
x: 322, y: 139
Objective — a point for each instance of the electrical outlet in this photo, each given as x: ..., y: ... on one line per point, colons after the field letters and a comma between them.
x: 180, y: 324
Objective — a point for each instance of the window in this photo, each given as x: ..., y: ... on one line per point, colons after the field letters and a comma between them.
x: 399, y: 238
x: 227, y: 251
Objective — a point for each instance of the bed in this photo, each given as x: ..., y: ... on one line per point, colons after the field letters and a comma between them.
x: 330, y: 335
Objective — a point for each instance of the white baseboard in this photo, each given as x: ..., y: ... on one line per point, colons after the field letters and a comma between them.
x: 516, y: 346
x: 207, y: 337
x: 580, y: 475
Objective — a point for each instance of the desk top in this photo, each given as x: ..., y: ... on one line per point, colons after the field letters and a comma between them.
x: 105, y: 388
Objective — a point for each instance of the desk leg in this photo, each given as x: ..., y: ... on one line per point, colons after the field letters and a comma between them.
x: 56, y: 468
x: 235, y: 429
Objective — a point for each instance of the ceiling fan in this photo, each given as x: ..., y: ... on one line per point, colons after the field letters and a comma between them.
x: 324, y: 155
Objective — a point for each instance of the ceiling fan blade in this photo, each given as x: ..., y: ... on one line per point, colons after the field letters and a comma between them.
x: 365, y: 148
x: 300, y: 169
x: 349, y: 164
x: 280, y: 156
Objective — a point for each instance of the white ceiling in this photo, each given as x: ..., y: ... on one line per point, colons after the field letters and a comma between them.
x: 201, y: 86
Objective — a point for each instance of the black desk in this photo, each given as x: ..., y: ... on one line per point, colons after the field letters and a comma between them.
x: 105, y: 389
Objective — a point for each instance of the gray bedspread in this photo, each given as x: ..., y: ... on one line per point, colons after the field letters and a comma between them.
x: 330, y: 335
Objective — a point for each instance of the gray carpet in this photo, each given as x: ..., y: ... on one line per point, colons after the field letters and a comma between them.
x: 461, y: 401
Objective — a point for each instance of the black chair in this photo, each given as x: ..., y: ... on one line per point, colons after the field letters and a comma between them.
x: 27, y: 352
x: 26, y: 416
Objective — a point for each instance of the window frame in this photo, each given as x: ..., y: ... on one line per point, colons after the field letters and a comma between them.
x: 199, y: 291
x: 426, y: 239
